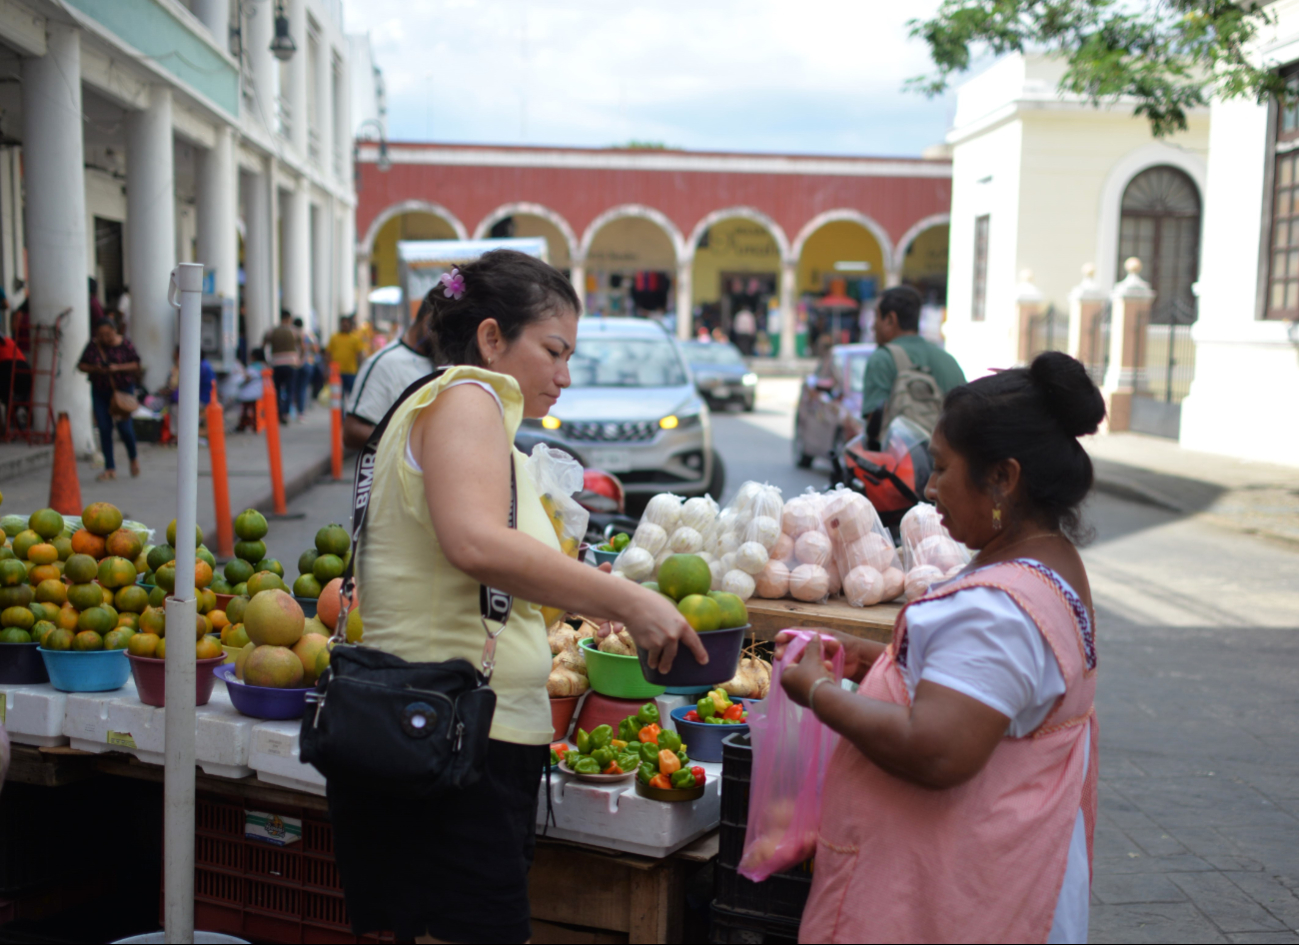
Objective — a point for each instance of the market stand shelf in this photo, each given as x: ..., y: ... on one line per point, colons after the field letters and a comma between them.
x: 769, y: 617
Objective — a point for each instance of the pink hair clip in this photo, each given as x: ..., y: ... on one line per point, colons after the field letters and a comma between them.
x: 453, y: 284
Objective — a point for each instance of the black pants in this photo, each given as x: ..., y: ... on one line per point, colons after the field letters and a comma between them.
x: 105, y: 421
x: 284, y: 376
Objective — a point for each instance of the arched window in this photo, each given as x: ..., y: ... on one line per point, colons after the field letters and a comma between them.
x: 1160, y: 225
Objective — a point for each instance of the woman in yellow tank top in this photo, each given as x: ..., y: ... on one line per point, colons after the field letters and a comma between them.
x: 456, y: 869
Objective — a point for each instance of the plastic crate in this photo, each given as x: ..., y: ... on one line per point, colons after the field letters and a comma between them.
x: 737, y: 763
x: 733, y: 926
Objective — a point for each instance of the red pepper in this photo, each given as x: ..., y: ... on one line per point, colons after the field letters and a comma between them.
x: 661, y: 781
x: 560, y: 748
x: 735, y: 713
x: 698, y: 772
x: 612, y: 769
x: 692, y: 716
x: 650, y: 733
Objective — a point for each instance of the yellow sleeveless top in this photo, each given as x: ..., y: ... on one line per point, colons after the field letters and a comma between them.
x: 419, y: 606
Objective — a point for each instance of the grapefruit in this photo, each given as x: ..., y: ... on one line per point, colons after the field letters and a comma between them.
x: 47, y: 523
x: 306, y: 586
x: 219, y: 620
x: 43, y: 572
x: 207, y: 648
x: 160, y: 555
x: 734, y: 613
x: 132, y: 597
x: 250, y: 525
x: 24, y: 542
x: 15, y: 635
x: 242, y: 658
x: 115, y: 572
x: 307, y: 650
x: 63, y: 546
x: 702, y: 613
x: 238, y: 570
x: 12, y: 572
x: 275, y: 667
x: 101, y: 518
x: 86, y: 542
x: 88, y: 640
x: 143, y: 644
x: 118, y: 639
x: 67, y: 618
x: 17, y: 617
x: 306, y: 560
x: 60, y: 639
x: 235, y: 635
x: 153, y: 620
x: 265, y: 581
x: 683, y: 575
x: 270, y: 564
x: 98, y: 619
x: 44, y: 553
x: 327, y: 567
x: 313, y: 625
x: 333, y: 540
x: 355, y: 629
x: 171, y: 534
x: 52, y: 592
x: 81, y: 568
x: 329, y: 603
x: 124, y: 544
x: 273, y: 617
x: 250, y: 551
x: 235, y: 609
x: 322, y: 663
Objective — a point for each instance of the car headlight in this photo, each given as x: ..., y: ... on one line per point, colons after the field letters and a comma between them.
x: 550, y: 423
x: 749, y: 380
x: 679, y: 421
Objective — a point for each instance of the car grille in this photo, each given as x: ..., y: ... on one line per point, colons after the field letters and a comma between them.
x: 630, y: 431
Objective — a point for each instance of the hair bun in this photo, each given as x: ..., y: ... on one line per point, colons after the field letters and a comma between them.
x: 1070, y: 395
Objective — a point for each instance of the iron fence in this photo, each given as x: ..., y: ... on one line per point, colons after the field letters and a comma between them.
x: 1048, y: 331
x: 1099, y: 361
x: 1169, y: 353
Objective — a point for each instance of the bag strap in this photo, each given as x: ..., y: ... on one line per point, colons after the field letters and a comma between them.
x: 103, y: 359
x: 493, y: 604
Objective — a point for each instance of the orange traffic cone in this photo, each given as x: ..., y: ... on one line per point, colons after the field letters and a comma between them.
x: 65, y: 487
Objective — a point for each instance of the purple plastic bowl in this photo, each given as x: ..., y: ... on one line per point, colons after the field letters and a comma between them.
x: 261, y: 702
x: 22, y: 663
x: 723, y: 647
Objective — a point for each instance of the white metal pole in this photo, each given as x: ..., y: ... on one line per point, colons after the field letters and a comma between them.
x: 182, y: 618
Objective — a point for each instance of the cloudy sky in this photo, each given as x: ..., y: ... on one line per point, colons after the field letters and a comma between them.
x: 803, y: 76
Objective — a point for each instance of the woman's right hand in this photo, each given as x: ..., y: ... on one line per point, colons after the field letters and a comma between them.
x: 655, y: 624
x: 858, y: 654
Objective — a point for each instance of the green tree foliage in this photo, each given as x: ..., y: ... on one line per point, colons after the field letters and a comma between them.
x: 1167, y: 56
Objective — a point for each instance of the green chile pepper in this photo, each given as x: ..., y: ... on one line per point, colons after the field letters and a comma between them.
x: 646, y: 772
x: 583, y: 742
x: 587, y: 765
x: 685, y: 759
x: 706, y: 709
x: 628, y: 729
x: 603, y: 757
x: 683, y: 779
x: 714, y: 720
x: 554, y: 757
x: 648, y: 714
x: 620, y: 541
x: 628, y: 760
x: 601, y: 736
x: 670, y: 740
x: 649, y: 753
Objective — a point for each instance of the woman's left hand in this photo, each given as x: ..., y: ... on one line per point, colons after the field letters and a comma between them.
x: 797, y: 680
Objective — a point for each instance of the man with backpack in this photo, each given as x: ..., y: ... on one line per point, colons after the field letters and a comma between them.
x: 907, y: 376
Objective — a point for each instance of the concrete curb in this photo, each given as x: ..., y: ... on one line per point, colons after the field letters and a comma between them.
x: 296, y: 485
x: 35, y: 458
x: 1134, y: 492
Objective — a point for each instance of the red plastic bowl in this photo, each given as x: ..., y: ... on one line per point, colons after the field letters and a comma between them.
x: 606, y: 710
x: 151, y: 678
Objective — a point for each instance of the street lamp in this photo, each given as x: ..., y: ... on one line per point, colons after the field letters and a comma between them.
x: 384, y: 163
x: 282, y: 46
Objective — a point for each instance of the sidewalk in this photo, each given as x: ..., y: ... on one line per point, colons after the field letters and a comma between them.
x: 1256, y: 498
x: 151, y: 498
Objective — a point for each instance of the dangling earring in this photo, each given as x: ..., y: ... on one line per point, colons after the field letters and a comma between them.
x: 996, y: 517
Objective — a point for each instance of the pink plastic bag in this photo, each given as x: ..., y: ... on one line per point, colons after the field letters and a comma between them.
x: 791, y: 748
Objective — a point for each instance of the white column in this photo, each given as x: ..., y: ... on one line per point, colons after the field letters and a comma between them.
x: 151, y: 232
x: 325, y: 105
x: 788, y: 305
x: 215, y: 15
x: 577, y: 276
x: 218, y: 194
x: 296, y: 93
x: 322, y: 296
x: 259, y: 29
x: 297, y: 251
x: 56, y: 218
x: 347, y: 261
x: 685, y: 298
x: 259, y: 312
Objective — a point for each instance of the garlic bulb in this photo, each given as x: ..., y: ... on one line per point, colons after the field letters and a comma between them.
x: 739, y: 583
x: 635, y: 563
x: 686, y: 541
x: 765, y: 530
x: 812, y: 548
x: 751, y: 558
x: 664, y: 510
x: 772, y: 582
x: 863, y: 586
x: 809, y: 582
x: 699, y: 512
x: 653, y: 538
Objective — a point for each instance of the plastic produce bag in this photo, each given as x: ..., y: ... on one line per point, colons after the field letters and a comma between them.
x: 930, y: 552
x: 557, y: 476
x: 791, y: 749
x: 864, y: 553
x: 649, y: 546
x: 801, y: 563
x: 742, y: 538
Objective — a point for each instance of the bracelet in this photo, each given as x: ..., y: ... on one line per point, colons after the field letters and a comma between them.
x: 816, y: 684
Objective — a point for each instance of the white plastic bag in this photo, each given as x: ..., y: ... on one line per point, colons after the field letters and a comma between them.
x: 557, y: 476
x: 864, y: 554
x: 741, y: 538
x: 801, y: 561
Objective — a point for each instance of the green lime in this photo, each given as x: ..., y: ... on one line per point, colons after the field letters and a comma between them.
x: 702, y: 613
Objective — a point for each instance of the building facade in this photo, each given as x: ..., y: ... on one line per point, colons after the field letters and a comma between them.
x: 658, y: 231
x: 142, y: 133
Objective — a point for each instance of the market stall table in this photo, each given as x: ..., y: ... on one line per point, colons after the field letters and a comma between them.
x: 769, y: 617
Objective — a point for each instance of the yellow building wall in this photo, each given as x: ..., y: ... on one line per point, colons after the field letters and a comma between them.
x: 839, y: 241
x: 407, y: 226
x: 557, y: 246
x: 631, y: 244
x: 927, y: 255
x: 734, y: 245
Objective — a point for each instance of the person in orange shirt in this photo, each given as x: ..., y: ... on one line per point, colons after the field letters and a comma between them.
x: 347, y: 349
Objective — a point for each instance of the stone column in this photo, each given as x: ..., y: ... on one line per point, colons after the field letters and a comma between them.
x: 56, y: 220
x: 685, y: 299
x: 151, y: 233
x: 218, y: 197
x: 215, y: 15
x: 296, y: 93
x: 259, y: 29
x: 296, y: 278
x: 259, y: 308
x: 325, y: 105
x: 322, y: 269
x: 1129, y: 315
x: 1086, y: 307
x: 789, y: 309
x: 362, y: 269
x: 577, y: 276
x: 1028, y: 305
x: 347, y: 261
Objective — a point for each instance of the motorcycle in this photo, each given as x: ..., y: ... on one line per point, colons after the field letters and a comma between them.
x: 894, y: 477
x: 602, y: 492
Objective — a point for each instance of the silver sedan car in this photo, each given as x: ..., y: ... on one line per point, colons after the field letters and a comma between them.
x: 633, y: 410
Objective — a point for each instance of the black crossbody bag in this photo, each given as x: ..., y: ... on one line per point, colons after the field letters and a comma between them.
x: 396, y: 728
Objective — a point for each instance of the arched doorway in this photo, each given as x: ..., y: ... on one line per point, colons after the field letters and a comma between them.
x: 841, y: 269
x: 924, y: 264
x: 1160, y: 224
x: 412, y: 225
x: 736, y: 267
x: 533, y: 220
x: 631, y: 262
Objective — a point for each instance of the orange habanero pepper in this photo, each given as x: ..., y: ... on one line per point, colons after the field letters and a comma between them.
x: 650, y: 733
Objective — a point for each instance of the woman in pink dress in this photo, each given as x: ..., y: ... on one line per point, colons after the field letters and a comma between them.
x: 961, y: 801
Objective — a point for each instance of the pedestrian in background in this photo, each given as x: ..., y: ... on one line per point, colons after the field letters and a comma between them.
x: 114, y: 369
x: 284, y: 354
x: 383, y: 378
x: 347, y: 349
x: 309, y: 351
x: 746, y: 331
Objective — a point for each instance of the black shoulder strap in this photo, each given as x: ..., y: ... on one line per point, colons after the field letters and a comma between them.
x: 493, y: 604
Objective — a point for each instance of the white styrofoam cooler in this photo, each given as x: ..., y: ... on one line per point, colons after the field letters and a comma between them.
x: 616, y: 817
x: 274, y: 756
x: 33, y: 713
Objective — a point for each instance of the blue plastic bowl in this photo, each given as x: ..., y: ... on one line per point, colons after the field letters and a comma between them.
x: 705, y: 740
x: 86, y: 671
x: 308, y: 605
x: 604, y: 557
x: 261, y: 702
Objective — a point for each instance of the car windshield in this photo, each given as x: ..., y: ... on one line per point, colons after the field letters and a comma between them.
x: 712, y: 353
x: 626, y: 362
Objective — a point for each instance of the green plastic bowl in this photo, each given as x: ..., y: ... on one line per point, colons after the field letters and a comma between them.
x: 614, y: 675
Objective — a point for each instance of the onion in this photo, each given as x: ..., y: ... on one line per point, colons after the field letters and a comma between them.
x: 718, y: 572
x: 751, y: 558
x: 765, y: 530
x: 768, y: 503
x: 699, y: 512
x: 635, y: 563
x: 653, y: 538
x: 686, y: 541
x: 664, y: 510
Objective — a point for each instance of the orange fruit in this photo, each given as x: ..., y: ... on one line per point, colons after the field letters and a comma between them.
x: 702, y: 613
x: 17, y: 617
x: 12, y: 572
x: 329, y: 603
x: 143, y: 644
x: 60, y: 639
x: 129, y: 620
x: 118, y: 639
x: 308, y: 651
x: 274, y: 617
x: 85, y: 542
x: 44, y: 572
x: 132, y: 597
x: 44, y: 553
x: 102, y: 518
x: 47, y: 523
x: 85, y: 596
x: 24, y: 542
x: 81, y: 568
x: 208, y: 648
x: 87, y: 640
x: 234, y: 635
x: 153, y: 620
x: 165, y: 577
x: 202, y: 573
x: 63, y: 546
x: 219, y: 620
x: 98, y: 619
x: 116, y: 572
x: 125, y: 544
x: 52, y: 592
x: 683, y: 575
x: 67, y: 618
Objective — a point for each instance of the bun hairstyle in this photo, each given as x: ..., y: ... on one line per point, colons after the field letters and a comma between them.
x: 1034, y: 415
x: 510, y: 287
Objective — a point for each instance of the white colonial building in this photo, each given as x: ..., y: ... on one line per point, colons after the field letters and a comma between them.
x: 140, y: 133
